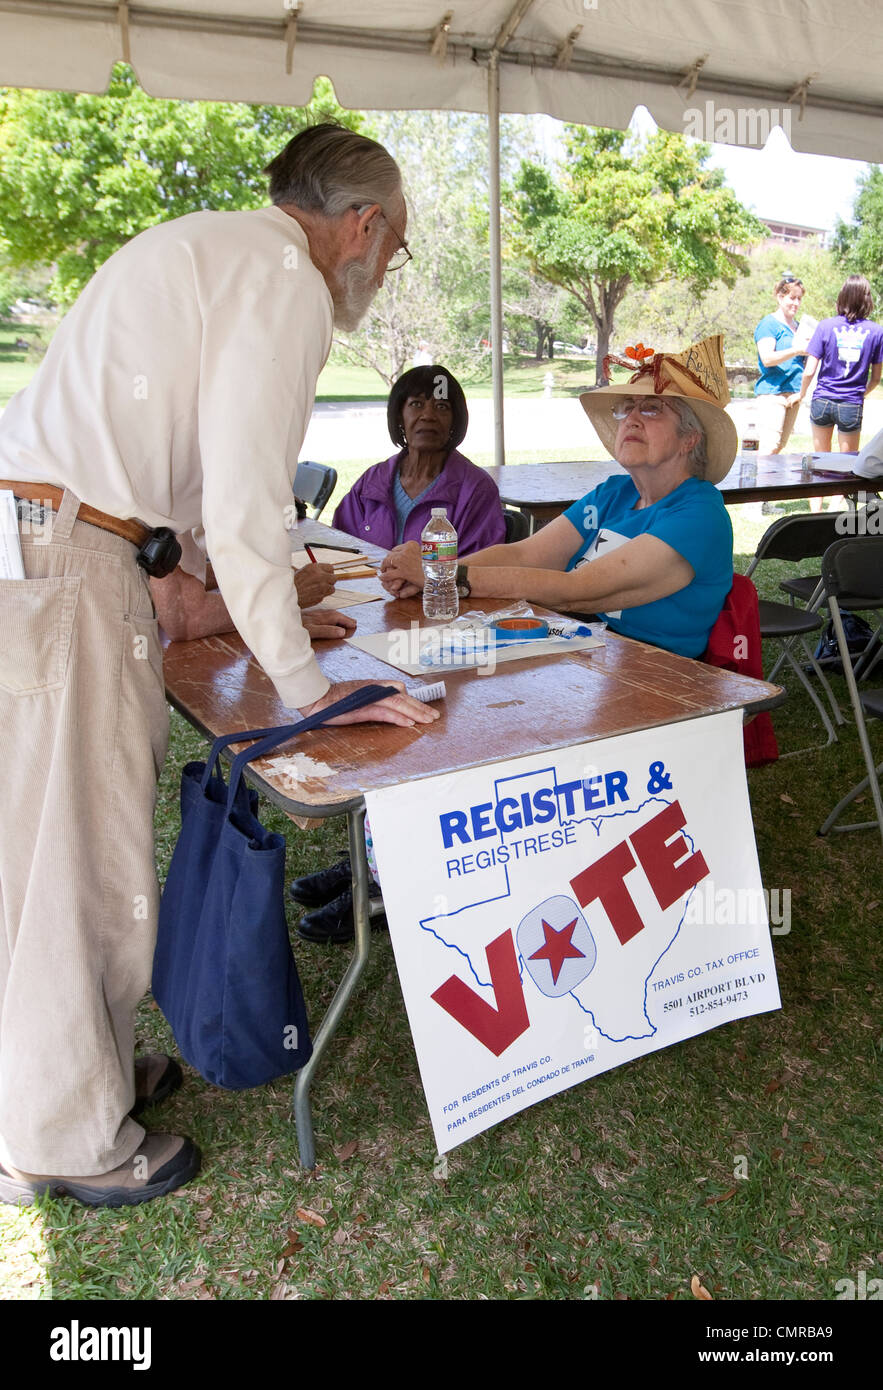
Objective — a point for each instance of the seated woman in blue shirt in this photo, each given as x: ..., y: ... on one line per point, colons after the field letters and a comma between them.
x: 651, y: 551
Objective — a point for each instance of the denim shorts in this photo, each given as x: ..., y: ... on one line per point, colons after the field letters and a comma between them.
x: 847, y: 417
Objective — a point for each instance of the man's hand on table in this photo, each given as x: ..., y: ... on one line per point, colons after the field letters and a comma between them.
x: 395, y: 709
x: 313, y: 583
x: 401, y: 573
x: 326, y: 624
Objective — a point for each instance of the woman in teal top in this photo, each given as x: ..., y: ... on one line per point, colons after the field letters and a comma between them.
x: 650, y: 550
x: 780, y: 367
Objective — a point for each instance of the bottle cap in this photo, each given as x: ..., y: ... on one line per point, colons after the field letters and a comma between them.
x: 439, y: 511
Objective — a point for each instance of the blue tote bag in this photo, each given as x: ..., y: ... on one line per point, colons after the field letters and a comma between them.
x: 223, y: 972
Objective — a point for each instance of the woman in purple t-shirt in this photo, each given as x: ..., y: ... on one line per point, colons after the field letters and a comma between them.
x: 848, y: 350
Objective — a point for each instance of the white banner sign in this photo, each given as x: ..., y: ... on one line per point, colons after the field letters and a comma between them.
x: 555, y: 916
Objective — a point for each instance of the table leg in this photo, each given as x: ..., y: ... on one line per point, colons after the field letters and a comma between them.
x: 303, y: 1115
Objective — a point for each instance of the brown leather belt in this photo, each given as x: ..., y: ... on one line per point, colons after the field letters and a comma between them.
x: 47, y: 492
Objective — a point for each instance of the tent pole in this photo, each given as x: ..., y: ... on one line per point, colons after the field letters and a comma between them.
x: 493, y: 120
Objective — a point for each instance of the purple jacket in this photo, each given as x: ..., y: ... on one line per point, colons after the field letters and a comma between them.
x: 464, y: 490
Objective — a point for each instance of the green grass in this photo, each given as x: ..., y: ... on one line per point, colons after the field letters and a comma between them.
x: 625, y: 1182
x: 17, y: 365
x: 522, y: 376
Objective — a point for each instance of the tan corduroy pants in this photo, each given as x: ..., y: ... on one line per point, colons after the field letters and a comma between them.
x: 83, y: 732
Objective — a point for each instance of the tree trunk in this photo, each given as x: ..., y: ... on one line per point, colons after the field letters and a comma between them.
x: 603, y: 349
x: 550, y: 335
x: 541, y: 337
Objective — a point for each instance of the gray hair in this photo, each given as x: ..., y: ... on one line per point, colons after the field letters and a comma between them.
x: 697, y: 459
x: 328, y: 169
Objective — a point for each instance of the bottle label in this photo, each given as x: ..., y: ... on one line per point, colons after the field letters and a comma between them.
x: 435, y: 552
x: 750, y: 445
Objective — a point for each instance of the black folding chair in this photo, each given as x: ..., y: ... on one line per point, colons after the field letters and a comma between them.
x: 855, y: 568
x: 314, y: 484
x: 517, y: 525
x: 797, y: 538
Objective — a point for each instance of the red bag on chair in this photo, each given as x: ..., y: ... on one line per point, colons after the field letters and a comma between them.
x: 738, y: 627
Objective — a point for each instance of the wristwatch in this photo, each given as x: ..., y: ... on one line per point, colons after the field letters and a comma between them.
x: 464, y: 588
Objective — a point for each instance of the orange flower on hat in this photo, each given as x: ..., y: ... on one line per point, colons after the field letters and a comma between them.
x: 639, y: 353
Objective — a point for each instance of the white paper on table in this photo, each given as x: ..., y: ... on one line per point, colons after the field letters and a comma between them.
x: 11, y: 563
x: 347, y: 598
x: 837, y: 463
x: 397, y: 648
x: 325, y: 555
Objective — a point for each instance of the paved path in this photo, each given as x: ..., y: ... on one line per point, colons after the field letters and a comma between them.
x: 341, y: 430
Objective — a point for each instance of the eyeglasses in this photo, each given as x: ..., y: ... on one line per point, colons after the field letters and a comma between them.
x: 649, y: 409
x: 399, y: 257
x: 403, y: 255
x: 791, y: 280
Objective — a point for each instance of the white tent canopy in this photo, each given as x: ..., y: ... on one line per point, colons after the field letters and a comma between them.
x: 812, y: 66
x: 590, y: 61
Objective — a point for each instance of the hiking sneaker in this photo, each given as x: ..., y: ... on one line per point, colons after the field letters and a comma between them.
x: 162, y: 1163
x: 156, y: 1077
x: 334, y: 922
x: 315, y: 890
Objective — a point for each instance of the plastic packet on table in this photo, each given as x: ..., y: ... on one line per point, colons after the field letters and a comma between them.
x: 475, y: 622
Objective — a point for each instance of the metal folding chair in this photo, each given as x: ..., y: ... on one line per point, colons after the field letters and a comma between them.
x: 797, y: 538
x: 517, y: 525
x: 855, y: 568
x: 314, y: 484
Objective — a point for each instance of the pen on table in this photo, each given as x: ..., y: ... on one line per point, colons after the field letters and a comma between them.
x: 311, y: 555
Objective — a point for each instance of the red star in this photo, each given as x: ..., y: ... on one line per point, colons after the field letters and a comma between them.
x: 557, y: 948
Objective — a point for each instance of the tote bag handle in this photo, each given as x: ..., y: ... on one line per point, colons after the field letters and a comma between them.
x: 268, y: 739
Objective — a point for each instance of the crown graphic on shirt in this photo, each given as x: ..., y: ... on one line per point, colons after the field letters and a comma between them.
x: 851, y: 335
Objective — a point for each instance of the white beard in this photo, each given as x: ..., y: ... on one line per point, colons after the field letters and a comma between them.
x: 355, y: 290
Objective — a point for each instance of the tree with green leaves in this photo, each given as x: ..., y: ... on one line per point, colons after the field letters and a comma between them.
x: 80, y: 174
x: 858, y: 245
x: 623, y: 212
x: 441, y: 297
x: 670, y: 314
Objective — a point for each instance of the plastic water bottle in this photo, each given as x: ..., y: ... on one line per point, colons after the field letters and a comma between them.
x: 751, y: 436
x: 439, y: 547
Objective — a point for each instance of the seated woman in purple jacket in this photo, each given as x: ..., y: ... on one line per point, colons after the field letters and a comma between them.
x: 393, y: 501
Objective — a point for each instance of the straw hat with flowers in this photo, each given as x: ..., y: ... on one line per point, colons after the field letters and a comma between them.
x: 696, y: 376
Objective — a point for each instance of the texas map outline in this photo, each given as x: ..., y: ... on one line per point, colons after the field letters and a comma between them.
x: 614, y: 1012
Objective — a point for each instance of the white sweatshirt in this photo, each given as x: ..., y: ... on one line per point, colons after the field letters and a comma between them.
x: 177, y: 391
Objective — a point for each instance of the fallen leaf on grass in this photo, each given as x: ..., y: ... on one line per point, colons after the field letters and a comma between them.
x: 312, y: 1218
x: 783, y: 796
x: 384, y: 1288
x: 346, y: 1150
x: 340, y: 1236
x: 294, y: 1243
x: 190, y: 1285
x: 777, y: 1155
x: 723, y: 1197
x: 777, y: 1083
x: 360, y: 1219
x: 426, y: 1274
x: 698, y: 1289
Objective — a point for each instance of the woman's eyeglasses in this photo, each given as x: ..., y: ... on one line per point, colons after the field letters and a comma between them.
x: 650, y: 410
